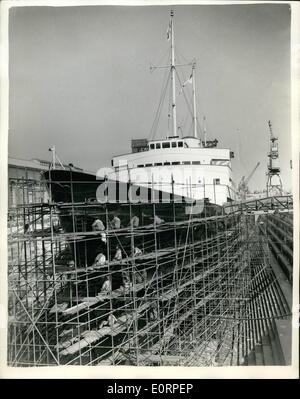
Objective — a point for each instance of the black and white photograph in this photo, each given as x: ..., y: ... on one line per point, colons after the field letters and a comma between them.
x: 150, y: 171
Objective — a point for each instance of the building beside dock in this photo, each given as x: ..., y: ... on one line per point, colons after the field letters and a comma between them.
x: 25, y: 180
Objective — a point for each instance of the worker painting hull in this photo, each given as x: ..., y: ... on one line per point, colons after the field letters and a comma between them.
x: 75, y: 194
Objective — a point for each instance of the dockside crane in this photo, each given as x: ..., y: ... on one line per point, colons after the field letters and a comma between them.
x: 274, y: 182
x: 243, y: 188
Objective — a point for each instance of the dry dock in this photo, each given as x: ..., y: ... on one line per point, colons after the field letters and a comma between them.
x: 206, y: 291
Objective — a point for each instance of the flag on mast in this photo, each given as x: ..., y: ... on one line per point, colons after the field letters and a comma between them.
x: 190, y: 80
x: 169, y: 31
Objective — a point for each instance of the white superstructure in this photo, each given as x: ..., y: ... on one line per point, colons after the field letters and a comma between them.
x: 185, y: 166
x: 197, y: 172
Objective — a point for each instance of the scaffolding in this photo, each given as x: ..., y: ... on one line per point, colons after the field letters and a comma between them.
x: 26, y: 190
x: 193, y: 291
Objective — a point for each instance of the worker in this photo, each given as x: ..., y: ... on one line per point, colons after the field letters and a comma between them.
x: 71, y: 264
x: 137, y: 251
x: 134, y: 222
x: 144, y: 274
x: 111, y: 320
x: 139, y: 278
x: 100, y: 259
x: 106, y: 287
x: 98, y: 225
x: 125, y: 276
x: 118, y: 255
x: 153, y: 313
x: 158, y: 220
x: 102, y: 324
x: 115, y: 223
x: 103, y: 237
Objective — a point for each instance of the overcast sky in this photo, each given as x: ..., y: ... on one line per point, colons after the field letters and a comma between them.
x: 80, y: 80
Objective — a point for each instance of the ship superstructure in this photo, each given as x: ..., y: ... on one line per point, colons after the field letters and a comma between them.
x: 186, y: 166
x: 196, y: 172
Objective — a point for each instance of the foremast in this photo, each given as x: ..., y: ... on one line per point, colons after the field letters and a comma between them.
x: 173, y: 82
x: 173, y: 79
x: 194, y: 100
x: 172, y: 67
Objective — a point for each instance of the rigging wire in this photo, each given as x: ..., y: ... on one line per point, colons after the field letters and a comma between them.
x: 159, y: 108
x: 158, y: 112
x: 185, y: 121
x: 182, y: 88
x: 166, y: 78
x: 169, y: 109
x: 186, y: 99
x: 182, y: 125
x: 161, y: 60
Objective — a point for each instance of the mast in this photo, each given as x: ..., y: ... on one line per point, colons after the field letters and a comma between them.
x: 174, y: 116
x: 204, y: 130
x: 53, y: 163
x: 194, y: 100
x: 55, y: 158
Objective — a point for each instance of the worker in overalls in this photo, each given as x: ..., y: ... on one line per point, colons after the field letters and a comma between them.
x: 137, y: 251
x: 106, y: 287
x: 118, y: 254
x: 134, y: 222
x: 126, y: 280
x: 141, y: 276
x: 111, y: 320
x: 100, y: 259
x: 158, y: 220
x: 98, y: 225
x: 103, y: 237
x: 153, y: 313
x: 115, y: 223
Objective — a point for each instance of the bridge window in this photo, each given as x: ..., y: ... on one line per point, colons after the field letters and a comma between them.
x: 216, y: 181
x: 151, y: 146
x: 180, y: 143
x: 158, y: 164
x: 140, y: 166
x: 175, y: 163
x: 157, y: 145
x: 148, y: 164
x: 166, y: 145
x: 186, y: 162
x: 174, y: 144
x: 167, y: 163
x: 196, y: 162
x: 219, y: 162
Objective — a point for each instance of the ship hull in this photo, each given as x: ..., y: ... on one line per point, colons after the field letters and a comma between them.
x: 76, y: 197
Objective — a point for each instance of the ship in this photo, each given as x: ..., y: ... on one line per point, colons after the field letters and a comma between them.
x: 188, y: 171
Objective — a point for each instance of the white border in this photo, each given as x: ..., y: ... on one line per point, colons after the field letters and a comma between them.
x: 101, y: 372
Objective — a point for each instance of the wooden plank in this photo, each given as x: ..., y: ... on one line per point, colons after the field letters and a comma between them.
x: 59, y: 308
x: 76, y: 308
x: 172, y: 359
x: 92, y: 336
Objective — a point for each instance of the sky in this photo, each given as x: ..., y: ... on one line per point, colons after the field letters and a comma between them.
x: 80, y: 79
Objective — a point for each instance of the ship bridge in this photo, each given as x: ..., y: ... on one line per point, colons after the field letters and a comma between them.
x: 197, y: 170
x: 141, y: 145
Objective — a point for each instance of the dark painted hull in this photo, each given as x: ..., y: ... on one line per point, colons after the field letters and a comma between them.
x: 75, y: 195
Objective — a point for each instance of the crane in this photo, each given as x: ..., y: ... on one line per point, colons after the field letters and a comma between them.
x: 243, y: 184
x: 274, y: 182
